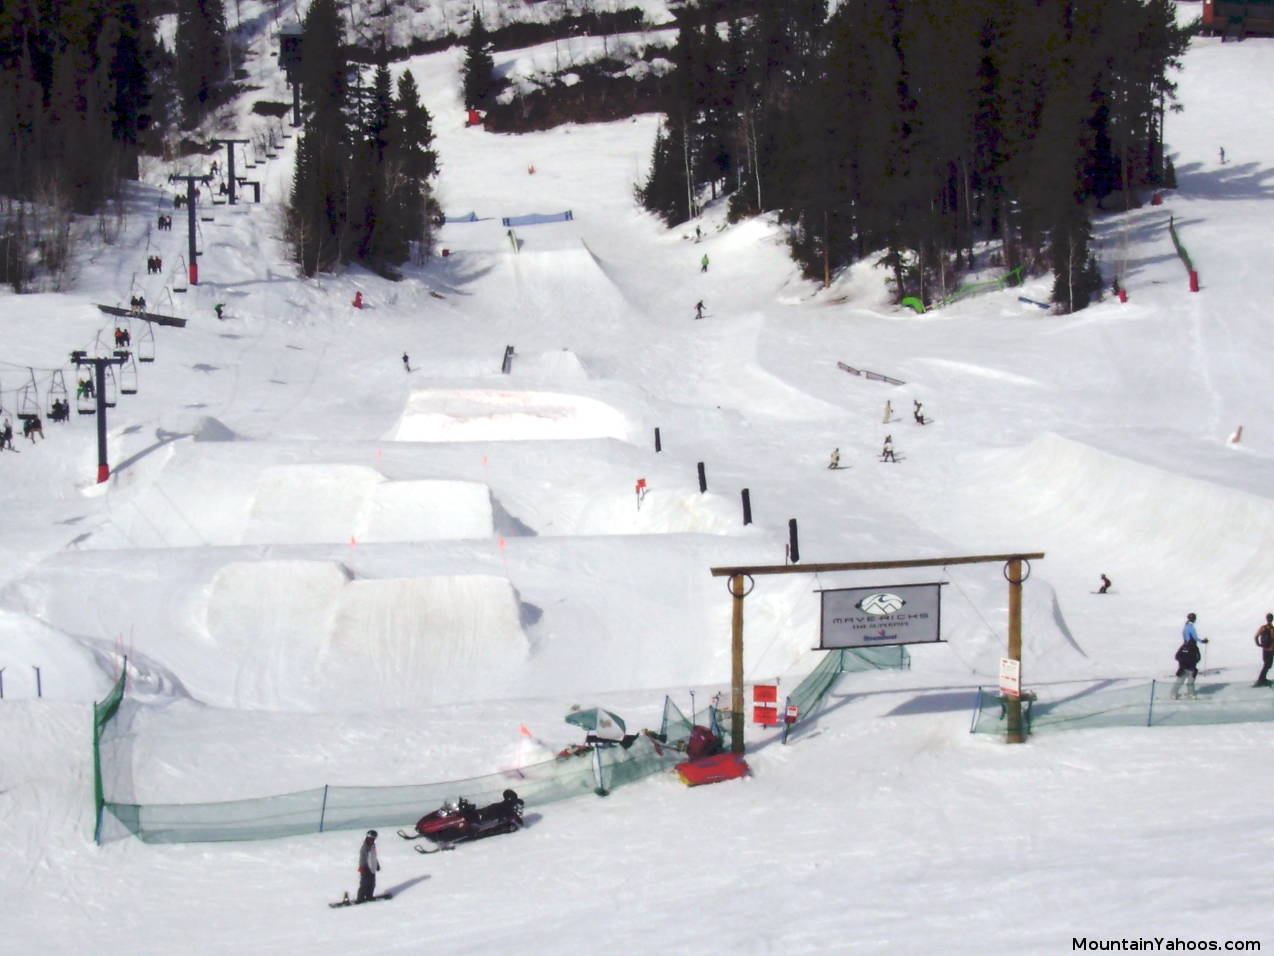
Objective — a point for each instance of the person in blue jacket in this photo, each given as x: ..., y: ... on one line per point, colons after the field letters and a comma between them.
x: 1188, y: 633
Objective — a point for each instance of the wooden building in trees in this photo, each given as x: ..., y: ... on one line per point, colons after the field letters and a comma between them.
x: 1235, y: 19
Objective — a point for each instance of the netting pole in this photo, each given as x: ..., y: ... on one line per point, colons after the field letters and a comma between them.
x: 323, y: 809
x: 977, y: 710
x: 738, y: 593
x: 1013, y: 572
x: 1150, y: 711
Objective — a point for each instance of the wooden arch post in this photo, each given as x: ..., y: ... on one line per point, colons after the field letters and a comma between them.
x: 740, y: 586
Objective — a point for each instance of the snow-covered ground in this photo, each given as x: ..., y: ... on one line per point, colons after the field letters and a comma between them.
x: 327, y: 569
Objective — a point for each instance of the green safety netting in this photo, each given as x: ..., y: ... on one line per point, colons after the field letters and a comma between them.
x: 355, y: 808
x: 1011, y: 278
x: 813, y: 690
x: 1124, y: 705
x: 581, y: 771
x: 102, y: 714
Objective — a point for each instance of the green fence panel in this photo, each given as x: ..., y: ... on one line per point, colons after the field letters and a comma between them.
x: 102, y: 714
x: 1128, y: 705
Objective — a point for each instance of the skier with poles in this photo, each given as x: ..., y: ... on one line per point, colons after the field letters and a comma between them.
x: 1187, y: 658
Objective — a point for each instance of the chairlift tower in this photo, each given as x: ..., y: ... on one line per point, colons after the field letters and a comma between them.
x: 229, y: 143
x: 100, y: 364
x: 291, y: 38
x: 191, y: 194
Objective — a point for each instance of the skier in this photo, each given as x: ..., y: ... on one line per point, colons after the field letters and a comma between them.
x: 887, y: 453
x: 1105, y: 585
x: 358, y: 299
x: 1222, y: 155
x: 368, y: 866
x: 1187, y: 668
x: 699, y: 309
x: 219, y: 308
x: 703, y: 263
x: 916, y: 413
x: 1188, y: 633
x: 698, y: 234
x: 6, y: 435
x: 1265, y: 641
x: 406, y: 362
x: 835, y: 462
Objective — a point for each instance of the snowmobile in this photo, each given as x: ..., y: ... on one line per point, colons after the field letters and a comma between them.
x: 456, y: 823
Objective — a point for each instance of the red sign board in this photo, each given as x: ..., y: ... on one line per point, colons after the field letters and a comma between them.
x: 765, y: 693
x: 767, y: 716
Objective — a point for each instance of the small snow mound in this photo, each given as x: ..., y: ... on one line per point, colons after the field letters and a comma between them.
x: 210, y: 429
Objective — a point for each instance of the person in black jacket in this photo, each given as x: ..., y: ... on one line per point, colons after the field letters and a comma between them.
x: 1187, y: 669
x: 368, y: 866
x: 1265, y: 641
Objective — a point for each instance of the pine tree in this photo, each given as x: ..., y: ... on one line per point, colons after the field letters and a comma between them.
x: 318, y: 216
x: 202, y: 57
x: 478, y: 71
x: 664, y: 193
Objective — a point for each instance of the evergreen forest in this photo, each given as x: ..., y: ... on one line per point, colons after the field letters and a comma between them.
x: 918, y: 132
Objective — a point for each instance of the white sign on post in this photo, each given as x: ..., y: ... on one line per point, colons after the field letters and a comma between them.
x: 1010, y: 677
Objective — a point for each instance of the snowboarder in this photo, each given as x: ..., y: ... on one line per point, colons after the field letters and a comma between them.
x: 1105, y: 585
x: 916, y: 413
x: 887, y: 452
x: 699, y: 309
x: 219, y: 308
x: 703, y: 263
x: 406, y: 362
x: 358, y: 299
x: 1265, y: 641
x: 1187, y: 668
x: 835, y: 462
x: 368, y: 866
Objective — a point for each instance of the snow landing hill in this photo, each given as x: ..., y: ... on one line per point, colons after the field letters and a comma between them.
x: 327, y: 569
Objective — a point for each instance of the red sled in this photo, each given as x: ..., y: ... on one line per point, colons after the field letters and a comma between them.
x: 712, y: 769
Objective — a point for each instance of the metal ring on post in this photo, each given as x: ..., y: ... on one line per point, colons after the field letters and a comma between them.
x: 729, y: 585
x: 1022, y: 579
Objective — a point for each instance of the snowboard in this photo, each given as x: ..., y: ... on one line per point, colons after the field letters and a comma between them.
x: 348, y: 902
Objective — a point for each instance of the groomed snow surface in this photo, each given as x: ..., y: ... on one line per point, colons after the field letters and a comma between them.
x: 326, y: 568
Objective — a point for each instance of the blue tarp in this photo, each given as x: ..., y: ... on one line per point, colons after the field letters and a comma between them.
x: 535, y: 218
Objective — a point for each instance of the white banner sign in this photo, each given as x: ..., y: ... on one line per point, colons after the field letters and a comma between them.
x: 866, y: 617
x: 1010, y: 677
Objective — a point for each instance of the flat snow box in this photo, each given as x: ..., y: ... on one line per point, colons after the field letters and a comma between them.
x: 712, y: 769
